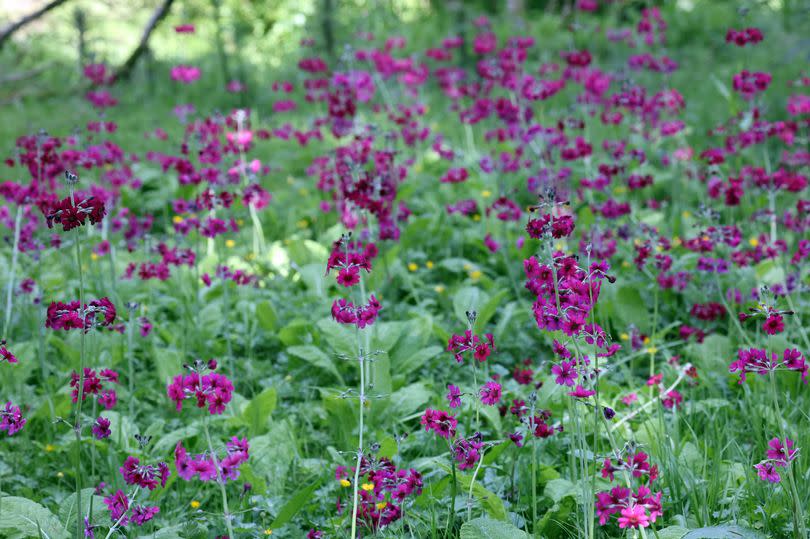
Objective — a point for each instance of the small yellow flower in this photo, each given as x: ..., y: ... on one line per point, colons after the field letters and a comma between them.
x: 250, y: 256
x: 177, y: 219
x: 686, y: 214
x: 412, y: 266
x: 753, y: 242
x: 658, y: 249
x: 195, y: 504
x: 60, y: 475
x: 381, y: 506
x: 303, y: 223
x: 486, y: 193
x: 240, y: 222
x: 466, y: 267
x: 652, y: 350
x: 476, y: 217
x: 475, y: 275
x: 646, y: 340
x: 367, y: 486
x: 676, y: 241
x: 230, y: 244
x: 93, y: 257
x: 439, y: 289
x: 429, y: 264
x: 559, y: 246
x: 620, y: 190
x: 268, y: 531
x: 625, y: 337
x: 345, y: 483
x: 50, y: 448
x: 625, y: 264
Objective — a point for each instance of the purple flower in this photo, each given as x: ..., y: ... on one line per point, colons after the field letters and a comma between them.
x: 453, y: 396
x: 767, y: 472
x: 101, y: 428
x: 11, y: 419
x: 566, y: 373
x: 491, y: 393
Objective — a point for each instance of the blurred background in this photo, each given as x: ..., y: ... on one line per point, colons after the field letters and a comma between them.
x: 242, y: 46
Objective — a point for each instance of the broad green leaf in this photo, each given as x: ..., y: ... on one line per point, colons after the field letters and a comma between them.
x: 490, y: 501
x: 410, y: 398
x: 168, y: 442
x: 299, y: 500
x: 672, y: 532
x: 487, y: 311
x: 486, y: 528
x: 258, y: 410
x: 723, y: 532
x: 557, y: 489
x: 417, y: 359
x: 469, y: 299
x: 67, y: 509
x: 266, y: 315
x: 21, y: 518
x: 317, y: 357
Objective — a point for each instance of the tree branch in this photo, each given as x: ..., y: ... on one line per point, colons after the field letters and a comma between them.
x: 7, y: 32
x: 160, y: 13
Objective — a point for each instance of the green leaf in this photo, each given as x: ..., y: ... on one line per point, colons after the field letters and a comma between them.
x: 266, y: 315
x: 672, y: 532
x: 629, y: 308
x: 469, y: 299
x: 486, y: 312
x: 486, y: 528
x: 271, y: 455
x: 67, y: 509
x: 299, y: 500
x: 723, y: 532
x: 557, y: 489
x: 410, y: 398
x: 169, y: 441
x: 417, y: 359
x: 258, y: 410
x: 21, y: 518
x: 317, y: 357
x: 491, y: 502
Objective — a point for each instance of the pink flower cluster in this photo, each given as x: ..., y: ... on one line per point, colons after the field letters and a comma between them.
x: 67, y: 316
x: 93, y: 384
x: 207, y: 467
x: 440, y: 422
x: 637, y: 509
x: 345, y: 312
x: 71, y: 215
x: 779, y: 455
x: 212, y: 389
x: 119, y: 504
x: 144, y: 475
x: 11, y: 419
x: 481, y: 348
x: 390, y: 487
x: 349, y: 258
x: 759, y: 361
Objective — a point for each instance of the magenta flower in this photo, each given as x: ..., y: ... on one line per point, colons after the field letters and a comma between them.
x: 634, y: 517
x: 214, y: 390
x: 439, y: 421
x: 118, y: 505
x: 6, y: 355
x: 777, y: 451
x: 581, y: 393
x: 144, y: 475
x: 453, y: 396
x: 491, y: 393
x: 101, y: 428
x: 565, y: 372
x: 767, y: 472
x: 11, y: 419
x: 185, y: 74
x: 774, y: 324
x: 142, y: 514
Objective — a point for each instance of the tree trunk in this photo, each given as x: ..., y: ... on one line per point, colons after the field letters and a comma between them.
x: 125, y: 71
x: 7, y: 32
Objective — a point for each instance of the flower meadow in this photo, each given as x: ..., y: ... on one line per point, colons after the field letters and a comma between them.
x: 544, y: 277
